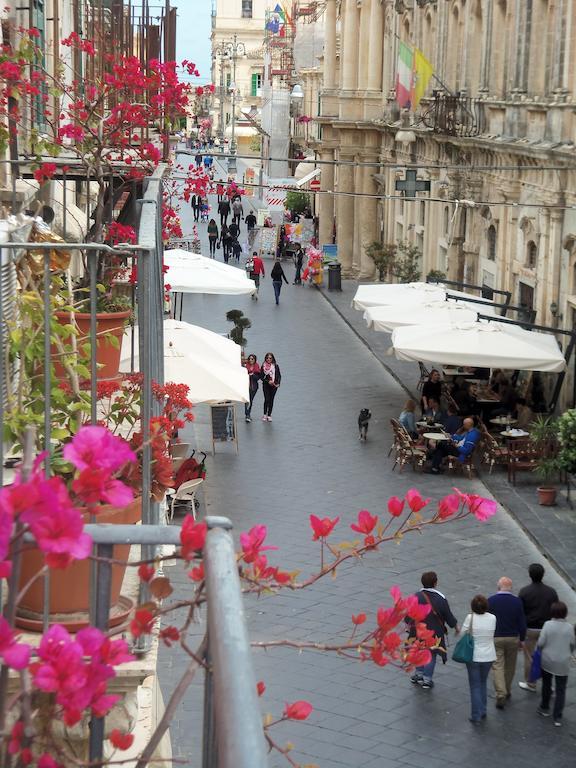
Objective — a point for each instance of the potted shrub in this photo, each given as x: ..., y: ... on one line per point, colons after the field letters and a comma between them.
x: 544, y: 433
x: 241, y: 323
x: 567, y: 441
x: 548, y: 469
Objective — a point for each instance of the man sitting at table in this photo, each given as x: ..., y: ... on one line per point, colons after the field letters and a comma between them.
x: 461, y: 445
x: 433, y: 414
x: 452, y: 422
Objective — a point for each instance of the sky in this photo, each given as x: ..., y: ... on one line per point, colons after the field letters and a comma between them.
x: 193, y: 35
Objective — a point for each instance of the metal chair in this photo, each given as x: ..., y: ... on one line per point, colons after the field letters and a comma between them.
x: 523, y: 454
x: 187, y: 493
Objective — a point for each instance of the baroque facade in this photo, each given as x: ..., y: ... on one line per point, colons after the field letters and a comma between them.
x: 495, y: 140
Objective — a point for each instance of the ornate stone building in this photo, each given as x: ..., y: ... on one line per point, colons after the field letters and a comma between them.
x: 496, y: 143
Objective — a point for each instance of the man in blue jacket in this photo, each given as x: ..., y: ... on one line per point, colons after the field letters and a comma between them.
x: 508, y: 637
x: 461, y: 445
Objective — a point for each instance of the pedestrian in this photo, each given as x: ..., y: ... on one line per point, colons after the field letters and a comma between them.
x: 220, y: 191
x: 204, y: 210
x: 255, y: 267
x: 224, y: 211
x: 440, y: 615
x: 557, y: 643
x: 212, y: 237
x: 251, y: 227
x: 254, y: 375
x: 198, y: 160
x: 236, y: 249
x: 298, y: 261
x: 481, y: 625
x: 234, y: 229
x: 271, y: 378
x: 208, y: 162
x: 237, y: 211
x: 537, y: 599
x: 508, y: 638
x: 226, y: 240
x: 196, y: 202
x: 277, y: 275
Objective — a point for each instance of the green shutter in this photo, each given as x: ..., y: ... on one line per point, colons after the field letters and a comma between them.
x: 228, y: 79
x: 254, y: 85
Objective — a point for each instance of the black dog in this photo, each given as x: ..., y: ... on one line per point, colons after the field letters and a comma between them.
x: 363, y: 420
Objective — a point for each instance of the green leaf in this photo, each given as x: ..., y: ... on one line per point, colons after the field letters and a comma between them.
x: 114, y: 341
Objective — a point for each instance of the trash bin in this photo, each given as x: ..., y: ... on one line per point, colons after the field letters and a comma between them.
x: 335, y: 277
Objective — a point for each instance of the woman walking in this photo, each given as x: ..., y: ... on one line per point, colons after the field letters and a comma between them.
x: 271, y: 378
x: 277, y: 275
x: 226, y: 239
x: 212, y: 237
x: 481, y: 626
x: 557, y: 643
x: 254, y: 373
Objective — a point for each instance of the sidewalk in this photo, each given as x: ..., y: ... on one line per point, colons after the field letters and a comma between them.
x: 552, y: 529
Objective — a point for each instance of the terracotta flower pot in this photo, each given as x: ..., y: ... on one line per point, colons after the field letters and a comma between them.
x: 546, y: 496
x: 109, y: 325
x: 70, y: 587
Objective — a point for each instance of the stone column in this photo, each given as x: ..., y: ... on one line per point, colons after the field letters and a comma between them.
x: 364, y: 62
x: 486, y: 47
x: 326, y: 204
x: 368, y: 225
x: 375, y: 46
x: 330, y: 46
x: 349, y: 50
x: 345, y: 215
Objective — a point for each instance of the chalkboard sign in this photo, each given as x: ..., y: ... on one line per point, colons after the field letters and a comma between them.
x: 224, y: 424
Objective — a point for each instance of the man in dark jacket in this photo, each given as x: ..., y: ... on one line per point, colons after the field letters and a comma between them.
x: 224, y: 211
x: 508, y: 637
x: 537, y: 599
x: 440, y: 615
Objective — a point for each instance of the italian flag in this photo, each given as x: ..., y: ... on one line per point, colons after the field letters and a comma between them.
x: 404, y: 76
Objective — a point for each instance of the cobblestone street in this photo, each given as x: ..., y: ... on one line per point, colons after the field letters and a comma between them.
x: 309, y: 460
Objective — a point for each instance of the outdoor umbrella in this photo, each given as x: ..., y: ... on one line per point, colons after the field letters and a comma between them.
x: 481, y: 344
x: 396, y: 294
x: 207, y: 362
x: 193, y: 273
x: 385, y: 319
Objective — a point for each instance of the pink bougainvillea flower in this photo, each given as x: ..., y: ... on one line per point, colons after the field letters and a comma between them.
x: 6, y: 522
x: 93, y: 486
x: 360, y: 618
x: 192, y: 537
x: 47, y: 761
x: 15, y: 655
x: 169, y: 635
x: 197, y: 573
x: 142, y: 623
x: 322, y: 527
x: 417, y: 657
x: 298, y: 710
x: 252, y: 543
x: 121, y: 740
x: 480, y: 507
x: 448, y: 506
x: 366, y: 522
x: 415, y: 610
x: 94, y: 447
x: 415, y: 500
x: 395, y: 506
x: 146, y: 572
x: 260, y: 687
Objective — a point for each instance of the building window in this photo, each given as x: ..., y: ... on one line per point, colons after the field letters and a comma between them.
x: 228, y: 80
x: 256, y: 84
x: 246, y: 9
x: 491, y: 238
x: 531, y: 254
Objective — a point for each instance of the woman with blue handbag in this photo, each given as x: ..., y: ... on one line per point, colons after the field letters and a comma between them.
x: 480, y: 626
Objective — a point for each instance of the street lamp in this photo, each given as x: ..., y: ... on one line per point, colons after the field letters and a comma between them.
x: 230, y: 50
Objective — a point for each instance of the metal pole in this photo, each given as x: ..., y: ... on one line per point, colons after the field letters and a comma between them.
x: 239, y: 734
x: 232, y: 159
x: 221, y: 53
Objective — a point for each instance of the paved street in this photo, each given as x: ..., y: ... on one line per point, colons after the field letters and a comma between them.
x: 309, y: 460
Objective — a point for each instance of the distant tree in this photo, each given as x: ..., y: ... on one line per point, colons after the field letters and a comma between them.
x: 383, y: 257
x: 407, y: 268
x: 297, y: 202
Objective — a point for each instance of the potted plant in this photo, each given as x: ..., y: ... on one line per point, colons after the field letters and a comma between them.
x: 544, y: 434
x: 567, y: 440
x: 241, y: 323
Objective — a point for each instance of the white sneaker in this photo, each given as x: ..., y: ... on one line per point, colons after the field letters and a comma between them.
x: 527, y: 686
x: 269, y: 418
x: 264, y: 418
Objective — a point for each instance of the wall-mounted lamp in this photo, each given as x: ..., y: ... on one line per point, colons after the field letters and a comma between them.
x: 554, y: 311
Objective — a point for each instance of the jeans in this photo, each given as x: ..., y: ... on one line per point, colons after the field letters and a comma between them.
x: 236, y: 219
x: 269, y: 394
x: 277, y: 288
x: 196, y: 210
x: 298, y: 278
x: 248, y: 406
x: 560, y: 698
x: 223, y: 219
x: 427, y: 671
x: 505, y: 665
x: 478, y: 672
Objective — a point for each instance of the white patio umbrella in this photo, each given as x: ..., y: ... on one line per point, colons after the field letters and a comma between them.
x: 385, y: 319
x: 193, y: 273
x: 481, y: 344
x: 209, y: 363
x: 396, y: 294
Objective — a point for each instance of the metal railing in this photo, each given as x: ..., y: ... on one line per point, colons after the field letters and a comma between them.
x: 454, y: 115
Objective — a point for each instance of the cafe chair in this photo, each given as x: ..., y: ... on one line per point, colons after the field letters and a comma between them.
x: 523, y: 455
x: 407, y: 452
x: 453, y: 464
x: 186, y: 494
x: 492, y: 451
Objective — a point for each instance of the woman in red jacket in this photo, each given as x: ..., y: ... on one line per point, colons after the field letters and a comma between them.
x: 254, y: 373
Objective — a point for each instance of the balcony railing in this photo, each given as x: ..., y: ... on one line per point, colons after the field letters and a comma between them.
x: 454, y: 115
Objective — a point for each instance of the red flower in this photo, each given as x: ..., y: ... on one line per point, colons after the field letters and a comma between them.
x: 322, y: 527
x: 395, y: 506
x: 415, y: 501
x: 366, y: 522
x: 197, y: 573
x: 252, y: 543
x: 146, y: 572
x: 359, y: 619
x: 192, y: 537
x: 298, y: 710
x: 260, y: 687
x: 418, y: 657
x: 169, y: 635
x: 142, y: 623
x: 45, y: 172
x: 448, y: 506
x: 121, y: 740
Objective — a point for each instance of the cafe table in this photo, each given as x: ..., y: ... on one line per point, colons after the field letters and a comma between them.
x: 505, y: 421
x: 436, y: 436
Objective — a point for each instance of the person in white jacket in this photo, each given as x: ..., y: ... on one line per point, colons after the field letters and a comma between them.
x: 557, y: 643
x: 481, y: 626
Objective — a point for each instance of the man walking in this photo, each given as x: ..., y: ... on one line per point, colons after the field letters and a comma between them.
x: 440, y: 615
x: 251, y: 227
x: 508, y: 637
x: 224, y: 211
x: 237, y: 211
x: 256, y: 270
x: 537, y: 599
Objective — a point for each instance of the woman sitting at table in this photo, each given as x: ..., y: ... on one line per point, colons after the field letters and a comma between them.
x: 407, y: 418
x: 432, y: 389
